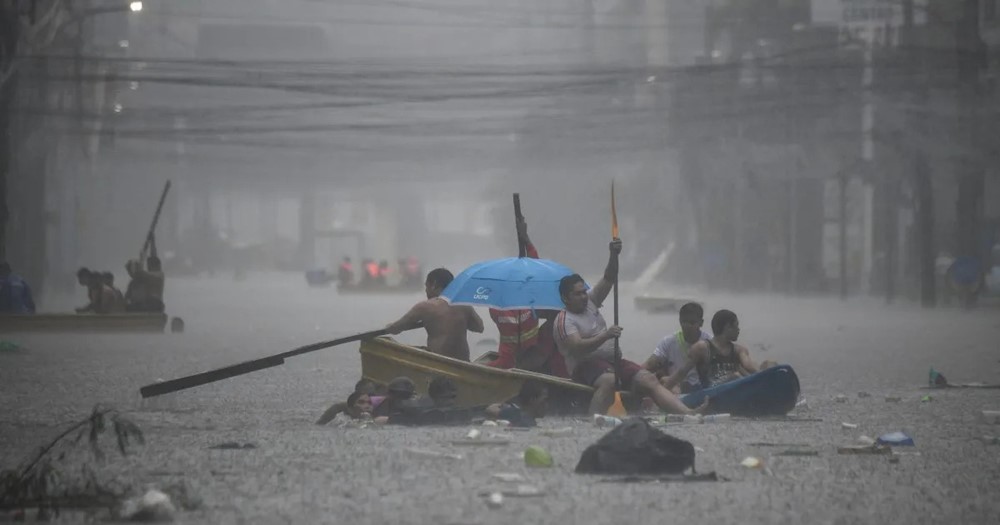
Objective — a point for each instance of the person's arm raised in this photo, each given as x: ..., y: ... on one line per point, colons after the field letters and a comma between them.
x: 607, y: 281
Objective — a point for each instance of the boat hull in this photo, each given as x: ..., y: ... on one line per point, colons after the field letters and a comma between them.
x: 770, y: 392
x: 383, y: 359
x: 112, y: 323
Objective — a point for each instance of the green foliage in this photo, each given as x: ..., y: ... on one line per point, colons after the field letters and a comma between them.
x: 55, y: 475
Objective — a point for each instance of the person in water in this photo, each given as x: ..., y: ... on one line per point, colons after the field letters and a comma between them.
x: 672, y: 352
x: 446, y: 325
x: 717, y: 360
x: 524, y: 410
x: 364, y: 386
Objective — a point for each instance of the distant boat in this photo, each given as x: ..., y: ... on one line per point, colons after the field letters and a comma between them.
x: 89, y: 322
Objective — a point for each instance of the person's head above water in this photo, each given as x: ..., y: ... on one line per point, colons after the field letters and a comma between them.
x: 692, y: 317
x: 533, y: 398
x: 402, y: 387
x: 573, y: 292
x: 365, y: 386
x: 358, y: 404
x: 726, y: 325
x: 442, y: 391
x: 153, y: 264
x: 437, y: 280
x: 108, y: 278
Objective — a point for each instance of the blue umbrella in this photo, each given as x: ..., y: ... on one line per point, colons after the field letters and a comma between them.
x: 514, y: 283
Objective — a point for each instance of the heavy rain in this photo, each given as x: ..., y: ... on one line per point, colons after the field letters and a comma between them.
x: 475, y: 262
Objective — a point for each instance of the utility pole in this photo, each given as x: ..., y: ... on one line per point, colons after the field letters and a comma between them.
x: 971, y: 59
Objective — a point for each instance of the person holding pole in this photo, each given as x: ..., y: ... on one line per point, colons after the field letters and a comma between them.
x: 587, y: 343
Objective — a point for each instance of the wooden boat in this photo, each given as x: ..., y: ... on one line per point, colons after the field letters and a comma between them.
x: 132, y: 322
x: 383, y: 359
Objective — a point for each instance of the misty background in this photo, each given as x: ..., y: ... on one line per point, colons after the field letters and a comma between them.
x: 832, y: 147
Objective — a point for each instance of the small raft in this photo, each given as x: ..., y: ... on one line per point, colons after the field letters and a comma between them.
x: 383, y: 359
x: 109, y: 323
x: 770, y: 392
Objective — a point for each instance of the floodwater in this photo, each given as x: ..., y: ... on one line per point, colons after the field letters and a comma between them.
x: 302, y: 473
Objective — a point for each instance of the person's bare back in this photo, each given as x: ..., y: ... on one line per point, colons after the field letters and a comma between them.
x: 446, y: 326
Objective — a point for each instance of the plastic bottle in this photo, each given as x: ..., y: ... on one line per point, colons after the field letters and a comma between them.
x: 692, y: 419
x: 603, y: 421
x: 673, y: 418
x: 557, y: 432
x: 715, y: 418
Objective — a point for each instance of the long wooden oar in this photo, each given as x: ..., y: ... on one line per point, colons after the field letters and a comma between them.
x: 152, y: 227
x: 518, y: 218
x: 617, y: 408
x: 614, y: 236
x: 183, y: 383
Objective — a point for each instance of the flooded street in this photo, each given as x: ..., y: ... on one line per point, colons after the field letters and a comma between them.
x: 299, y: 472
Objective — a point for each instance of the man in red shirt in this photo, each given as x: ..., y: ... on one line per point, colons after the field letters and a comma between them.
x: 523, y: 343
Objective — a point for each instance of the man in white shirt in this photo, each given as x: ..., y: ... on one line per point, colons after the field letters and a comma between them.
x: 587, y: 343
x: 672, y: 352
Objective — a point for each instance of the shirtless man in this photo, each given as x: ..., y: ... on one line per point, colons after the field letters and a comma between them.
x: 145, y: 289
x: 101, y: 299
x: 445, y: 324
x: 719, y: 359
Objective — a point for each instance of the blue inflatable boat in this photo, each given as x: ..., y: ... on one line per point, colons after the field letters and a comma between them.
x: 771, y: 392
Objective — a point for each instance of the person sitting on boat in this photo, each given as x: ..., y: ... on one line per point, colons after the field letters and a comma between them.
x: 370, y: 275
x: 108, y: 279
x: 523, y: 344
x: 587, y: 343
x: 446, y: 325
x: 524, y: 410
x: 15, y: 294
x: 364, y: 386
x: 100, y: 298
x: 145, y: 289
x: 345, y: 273
x: 672, y: 352
x: 410, y: 268
x: 718, y: 360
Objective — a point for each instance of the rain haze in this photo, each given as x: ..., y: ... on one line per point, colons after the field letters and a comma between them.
x: 257, y: 176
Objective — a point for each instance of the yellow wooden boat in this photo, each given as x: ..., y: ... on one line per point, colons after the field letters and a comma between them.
x: 114, y: 323
x: 383, y: 359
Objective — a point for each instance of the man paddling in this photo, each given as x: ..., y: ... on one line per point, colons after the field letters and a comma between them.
x: 587, y: 343
x: 719, y: 359
x: 446, y: 325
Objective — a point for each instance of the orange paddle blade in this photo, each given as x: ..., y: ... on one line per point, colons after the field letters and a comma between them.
x: 617, y: 409
x: 614, y: 214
